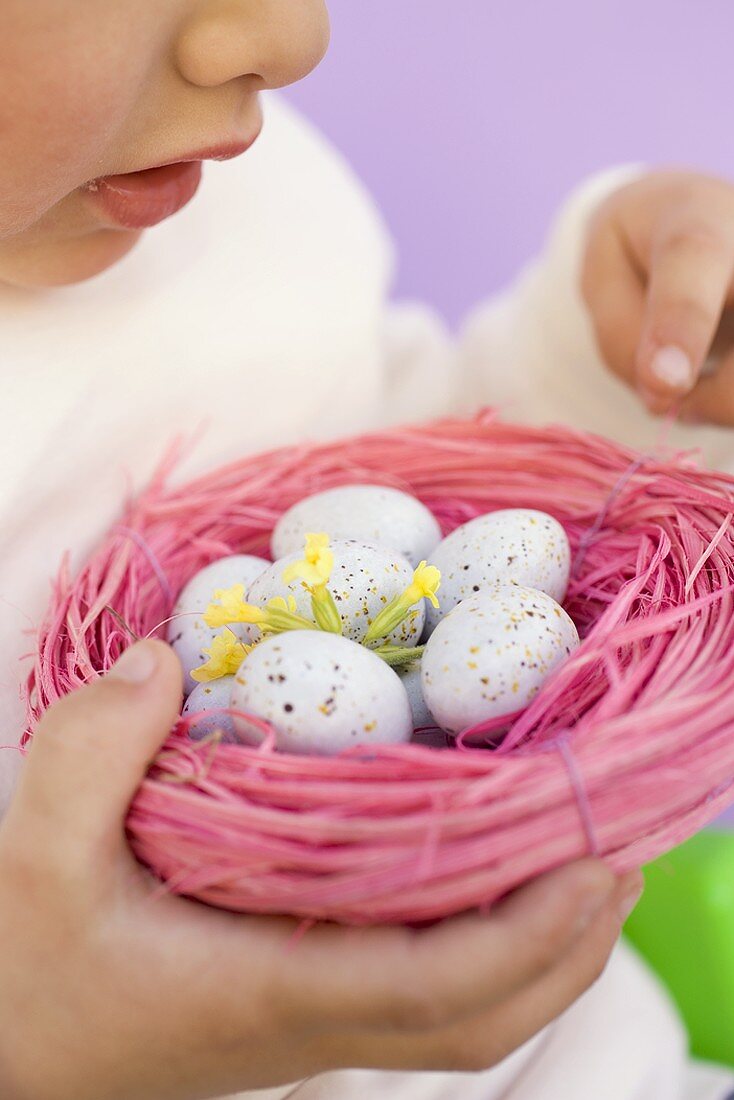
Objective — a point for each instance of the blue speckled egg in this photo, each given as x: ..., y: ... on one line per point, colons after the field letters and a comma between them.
x: 208, y: 699
x: 321, y: 693
x: 189, y: 635
x: 512, y: 546
x: 491, y: 655
x: 411, y: 677
x: 365, y: 513
x: 364, y: 579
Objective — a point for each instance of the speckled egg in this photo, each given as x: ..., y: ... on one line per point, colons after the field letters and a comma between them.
x: 321, y: 693
x: 209, y: 700
x: 189, y: 635
x: 491, y: 655
x: 366, y: 513
x: 411, y: 677
x: 512, y: 546
x: 364, y: 579
x: 432, y: 738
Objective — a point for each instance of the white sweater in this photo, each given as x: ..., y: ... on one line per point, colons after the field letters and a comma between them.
x: 261, y: 313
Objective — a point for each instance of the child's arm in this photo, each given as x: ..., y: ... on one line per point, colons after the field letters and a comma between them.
x: 590, y: 312
x: 106, y: 990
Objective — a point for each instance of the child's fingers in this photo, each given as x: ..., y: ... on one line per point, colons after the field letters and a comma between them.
x: 534, y: 1007
x: 485, y: 1040
x: 613, y: 292
x: 92, y: 749
x: 712, y: 401
x: 428, y: 979
x: 690, y: 278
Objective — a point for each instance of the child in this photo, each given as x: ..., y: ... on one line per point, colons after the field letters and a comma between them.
x: 260, y: 309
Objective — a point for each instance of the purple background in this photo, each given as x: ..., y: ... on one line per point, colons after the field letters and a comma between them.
x: 470, y: 120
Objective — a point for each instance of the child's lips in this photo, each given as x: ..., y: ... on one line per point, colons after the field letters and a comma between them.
x: 139, y: 200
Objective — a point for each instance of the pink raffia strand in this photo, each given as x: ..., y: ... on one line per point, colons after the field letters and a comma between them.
x: 627, y: 751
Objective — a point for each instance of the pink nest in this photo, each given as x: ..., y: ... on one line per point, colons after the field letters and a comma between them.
x: 628, y: 749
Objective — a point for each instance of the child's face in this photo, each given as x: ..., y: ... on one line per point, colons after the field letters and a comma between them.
x: 96, y: 88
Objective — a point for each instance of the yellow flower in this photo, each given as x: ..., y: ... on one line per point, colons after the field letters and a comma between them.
x: 279, y: 615
x: 279, y: 603
x: 314, y: 569
x: 226, y: 654
x: 425, y: 584
x: 231, y: 608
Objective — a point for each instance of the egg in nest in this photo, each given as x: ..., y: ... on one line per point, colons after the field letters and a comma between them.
x: 491, y: 655
x: 376, y: 514
x: 363, y: 580
x: 187, y: 633
x: 512, y: 546
x: 321, y: 693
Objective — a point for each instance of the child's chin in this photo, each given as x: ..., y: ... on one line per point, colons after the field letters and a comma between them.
x: 63, y: 262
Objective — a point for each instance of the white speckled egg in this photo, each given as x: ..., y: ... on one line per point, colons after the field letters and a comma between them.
x: 365, y: 513
x: 490, y: 656
x: 512, y: 546
x: 189, y: 635
x: 321, y: 693
x: 432, y: 738
x: 208, y: 700
x: 364, y: 579
x: 411, y: 677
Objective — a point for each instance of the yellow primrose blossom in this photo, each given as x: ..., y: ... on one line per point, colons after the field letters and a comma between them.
x: 279, y: 615
x: 425, y: 585
x: 314, y: 570
x: 230, y: 609
x: 279, y: 603
x: 426, y: 582
x: 226, y: 654
x: 316, y: 565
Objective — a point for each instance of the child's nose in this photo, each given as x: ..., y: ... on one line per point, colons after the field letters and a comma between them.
x: 279, y: 41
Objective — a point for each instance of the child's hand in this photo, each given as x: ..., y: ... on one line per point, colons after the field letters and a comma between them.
x: 108, y: 992
x: 658, y: 278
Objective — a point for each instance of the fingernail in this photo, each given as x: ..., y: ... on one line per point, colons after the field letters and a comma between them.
x: 631, y: 896
x: 136, y: 665
x: 673, y: 367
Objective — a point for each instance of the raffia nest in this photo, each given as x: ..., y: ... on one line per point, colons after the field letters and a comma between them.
x: 627, y: 750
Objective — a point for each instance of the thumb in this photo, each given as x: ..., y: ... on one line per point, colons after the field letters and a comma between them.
x: 92, y: 749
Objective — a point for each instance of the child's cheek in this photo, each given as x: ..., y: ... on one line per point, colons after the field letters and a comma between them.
x: 65, y: 101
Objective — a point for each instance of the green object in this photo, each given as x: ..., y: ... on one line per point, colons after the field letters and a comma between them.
x: 684, y: 927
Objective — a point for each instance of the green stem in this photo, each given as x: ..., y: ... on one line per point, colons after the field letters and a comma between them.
x: 325, y: 611
x: 279, y: 622
x: 395, y: 655
x: 388, y: 619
